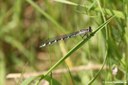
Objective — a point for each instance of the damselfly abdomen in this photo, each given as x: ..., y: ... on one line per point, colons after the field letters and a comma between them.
x: 66, y: 36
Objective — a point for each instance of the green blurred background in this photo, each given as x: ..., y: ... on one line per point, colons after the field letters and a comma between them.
x: 25, y: 24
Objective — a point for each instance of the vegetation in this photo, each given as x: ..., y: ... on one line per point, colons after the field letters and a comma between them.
x: 99, y: 58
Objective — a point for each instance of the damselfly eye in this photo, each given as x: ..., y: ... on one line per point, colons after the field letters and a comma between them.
x: 90, y: 29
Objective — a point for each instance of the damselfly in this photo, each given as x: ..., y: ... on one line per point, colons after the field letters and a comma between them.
x: 66, y: 36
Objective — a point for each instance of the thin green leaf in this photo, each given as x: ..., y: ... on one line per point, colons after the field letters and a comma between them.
x: 2, y: 68
x: 68, y: 2
x: 78, y: 46
x: 45, y: 14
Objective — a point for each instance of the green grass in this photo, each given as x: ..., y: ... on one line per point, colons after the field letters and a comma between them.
x: 24, y: 24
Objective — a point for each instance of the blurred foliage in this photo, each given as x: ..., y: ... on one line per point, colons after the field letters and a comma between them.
x: 24, y: 24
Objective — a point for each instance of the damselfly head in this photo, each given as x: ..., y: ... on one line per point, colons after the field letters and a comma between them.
x: 89, y: 29
x: 85, y: 31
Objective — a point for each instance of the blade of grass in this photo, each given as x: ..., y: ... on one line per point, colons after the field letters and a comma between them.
x: 45, y: 14
x: 117, y: 13
x: 2, y: 68
x: 69, y: 3
x: 91, y: 81
x: 15, y: 43
x: 72, y: 51
x: 78, y: 46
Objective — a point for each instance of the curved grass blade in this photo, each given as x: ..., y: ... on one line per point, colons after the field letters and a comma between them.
x: 91, y: 81
x: 69, y: 3
x: 72, y: 51
x: 37, y: 8
x: 77, y: 46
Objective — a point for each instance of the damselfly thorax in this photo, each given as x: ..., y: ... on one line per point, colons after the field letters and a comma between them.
x: 67, y: 36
